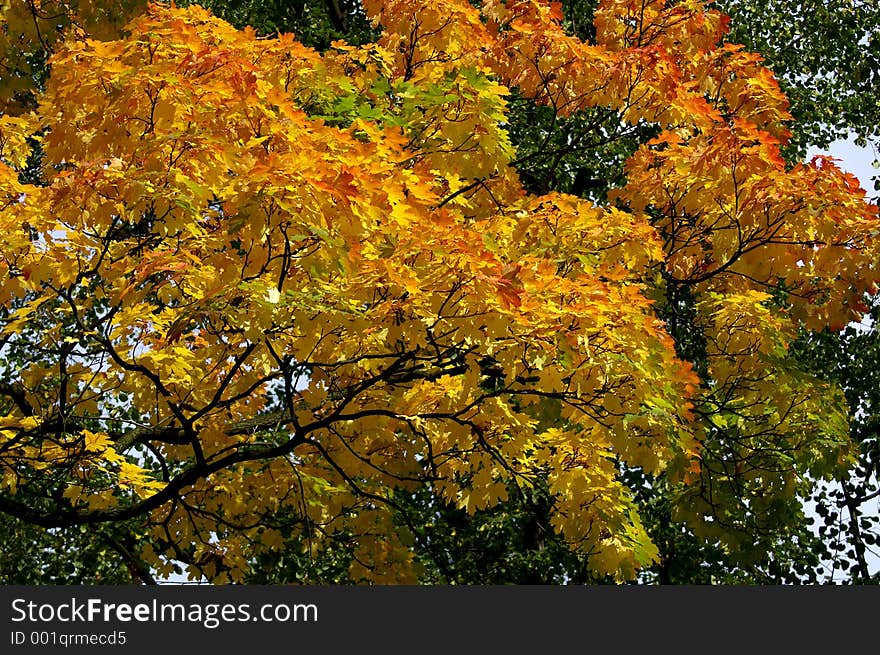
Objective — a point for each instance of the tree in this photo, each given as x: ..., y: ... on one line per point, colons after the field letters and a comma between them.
x: 849, y: 525
x: 262, y: 282
x: 30, y: 29
x: 826, y: 56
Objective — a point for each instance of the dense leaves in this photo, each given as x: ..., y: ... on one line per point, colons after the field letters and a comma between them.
x: 269, y: 296
x: 826, y: 55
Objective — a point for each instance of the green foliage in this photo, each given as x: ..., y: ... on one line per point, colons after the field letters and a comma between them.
x: 849, y: 509
x: 79, y: 555
x: 509, y: 544
x: 316, y: 23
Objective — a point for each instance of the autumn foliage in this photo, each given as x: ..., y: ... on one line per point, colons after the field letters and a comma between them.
x: 255, y: 278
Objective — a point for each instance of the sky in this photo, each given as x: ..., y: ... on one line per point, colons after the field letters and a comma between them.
x: 856, y: 160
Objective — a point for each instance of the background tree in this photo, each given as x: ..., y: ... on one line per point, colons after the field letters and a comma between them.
x: 826, y: 56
